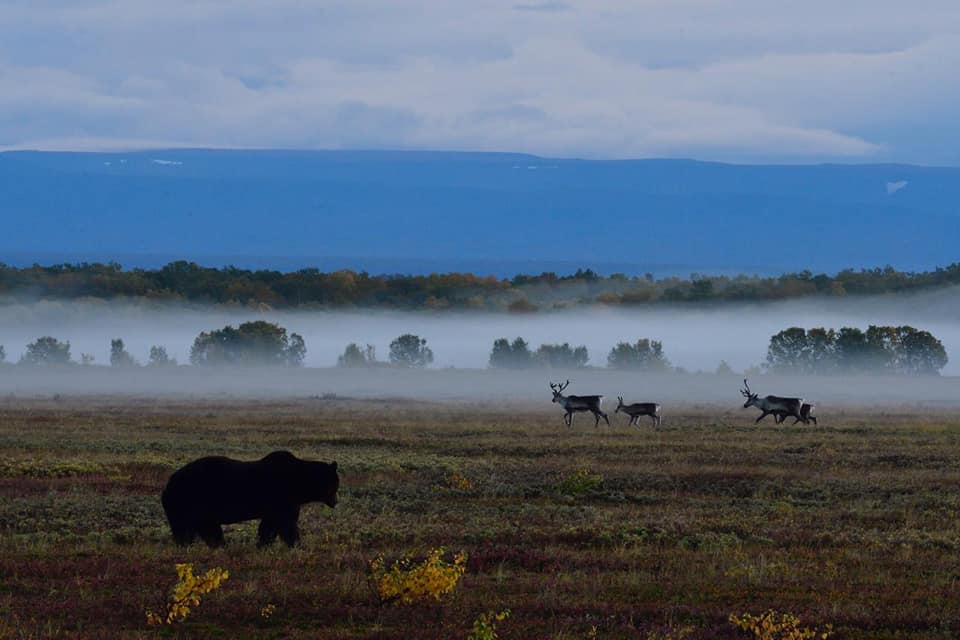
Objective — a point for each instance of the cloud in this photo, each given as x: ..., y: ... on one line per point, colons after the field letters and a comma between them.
x: 542, y: 6
x: 742, y: 80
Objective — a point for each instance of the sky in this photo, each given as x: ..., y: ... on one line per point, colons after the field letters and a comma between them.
x: 729, y: 80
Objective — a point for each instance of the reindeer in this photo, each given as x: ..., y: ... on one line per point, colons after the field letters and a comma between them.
x: 638, y: 409
x: 574, y: 404
x: 771, y: 404
x: 806, y: 415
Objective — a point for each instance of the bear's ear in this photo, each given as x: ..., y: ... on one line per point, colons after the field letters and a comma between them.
x: 334, y: 465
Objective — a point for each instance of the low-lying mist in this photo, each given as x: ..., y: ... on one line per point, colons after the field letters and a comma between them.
x: 695, y: 338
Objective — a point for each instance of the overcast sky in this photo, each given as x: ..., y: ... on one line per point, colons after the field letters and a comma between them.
x: 737, y: 80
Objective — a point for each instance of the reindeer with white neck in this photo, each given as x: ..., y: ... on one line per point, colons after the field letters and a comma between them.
x: 778, y: 406
x: 576, y: 404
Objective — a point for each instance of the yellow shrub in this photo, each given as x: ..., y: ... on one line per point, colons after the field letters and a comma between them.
x: 485, y: 625
x: 186, y: 593
x: 773, y: 625
x: 580, y: 483
x: 406, y: 582
x: 459, y: 482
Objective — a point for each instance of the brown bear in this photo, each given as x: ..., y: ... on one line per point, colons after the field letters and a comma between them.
x: 210, y: 492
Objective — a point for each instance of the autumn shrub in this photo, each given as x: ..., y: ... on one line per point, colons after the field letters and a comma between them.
x: 580, y: 483
x: 773, y: 625
x: 408, y: 582
x: 186, y: 593
x: 485, y: 625
x: 459, y: 482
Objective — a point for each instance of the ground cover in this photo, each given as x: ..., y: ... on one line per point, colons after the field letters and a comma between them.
x: 606, y: 533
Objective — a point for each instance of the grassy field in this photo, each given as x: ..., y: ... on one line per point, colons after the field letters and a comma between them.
x: 665, y: 534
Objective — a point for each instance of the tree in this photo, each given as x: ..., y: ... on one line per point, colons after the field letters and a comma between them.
x: 47, y: 350
x: 86, y: 359
x: 851, y: 350
x: 409, y: 350
x: 510, y: 356
x: 920, y: 352
x: 159, y: 357
x: 724, y: 369
x: 119, y: 356
x: 296, y: 351
x: 252, y: 343
x: 820, y: 355
x: 645, y: 355
x: 355, y: 356
x: 561, y: 356
x: 3, y: 354
x: 880, y: 349
x: 786, y: 350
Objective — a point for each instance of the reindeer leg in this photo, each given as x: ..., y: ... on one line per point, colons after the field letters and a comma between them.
x: 605, y: 418
x: 762, y: 416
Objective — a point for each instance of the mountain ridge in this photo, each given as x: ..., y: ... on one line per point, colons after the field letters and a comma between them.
x: 451, y: 208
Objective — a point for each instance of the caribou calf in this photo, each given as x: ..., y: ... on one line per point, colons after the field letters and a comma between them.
x: 638, y: 409
x: 771, y: 404
x: 575, y: 404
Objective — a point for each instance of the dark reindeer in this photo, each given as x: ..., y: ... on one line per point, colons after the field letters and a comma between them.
x: 806, y: 415
x: 638, y: 409
x: 575, y: 404
x: 772, y: 404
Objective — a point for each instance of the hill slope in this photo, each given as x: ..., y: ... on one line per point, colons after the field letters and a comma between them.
x: 494, y: 213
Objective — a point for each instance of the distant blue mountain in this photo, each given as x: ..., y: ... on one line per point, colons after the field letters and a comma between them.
x: 490, y: 213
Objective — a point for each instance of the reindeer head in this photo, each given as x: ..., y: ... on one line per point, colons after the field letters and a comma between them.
x: 752, y: 398
x: 620, y: 404
x: 558, y: 390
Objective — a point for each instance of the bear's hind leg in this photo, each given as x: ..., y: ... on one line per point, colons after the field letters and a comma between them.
x: 212, y: 534
x: 266, y: 533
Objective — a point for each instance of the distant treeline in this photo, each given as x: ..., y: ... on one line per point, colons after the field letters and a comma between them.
x: 190, y: 282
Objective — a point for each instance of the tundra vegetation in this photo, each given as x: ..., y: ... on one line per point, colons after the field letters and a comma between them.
x: 707, y: 528
x: 183, y: 281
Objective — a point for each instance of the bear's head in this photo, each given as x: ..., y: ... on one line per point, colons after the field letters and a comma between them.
x: 323, y: 483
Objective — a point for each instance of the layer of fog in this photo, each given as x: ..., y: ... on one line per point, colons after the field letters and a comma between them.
x: 695, y: 338
x: 484, y: 388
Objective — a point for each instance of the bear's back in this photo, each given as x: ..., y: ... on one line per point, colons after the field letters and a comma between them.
x: 229, y: 490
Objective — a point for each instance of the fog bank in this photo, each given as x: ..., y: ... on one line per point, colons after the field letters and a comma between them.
x: 695, y: 338
x: 482, y: 386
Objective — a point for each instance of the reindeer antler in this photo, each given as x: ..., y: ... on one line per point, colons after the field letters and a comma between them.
x: 746, y: 390
x: 565, y: 385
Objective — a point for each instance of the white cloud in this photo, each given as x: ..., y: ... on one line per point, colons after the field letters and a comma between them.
x: 735, y: 79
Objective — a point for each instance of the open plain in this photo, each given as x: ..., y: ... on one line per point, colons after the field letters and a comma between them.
x: 581, y: 533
